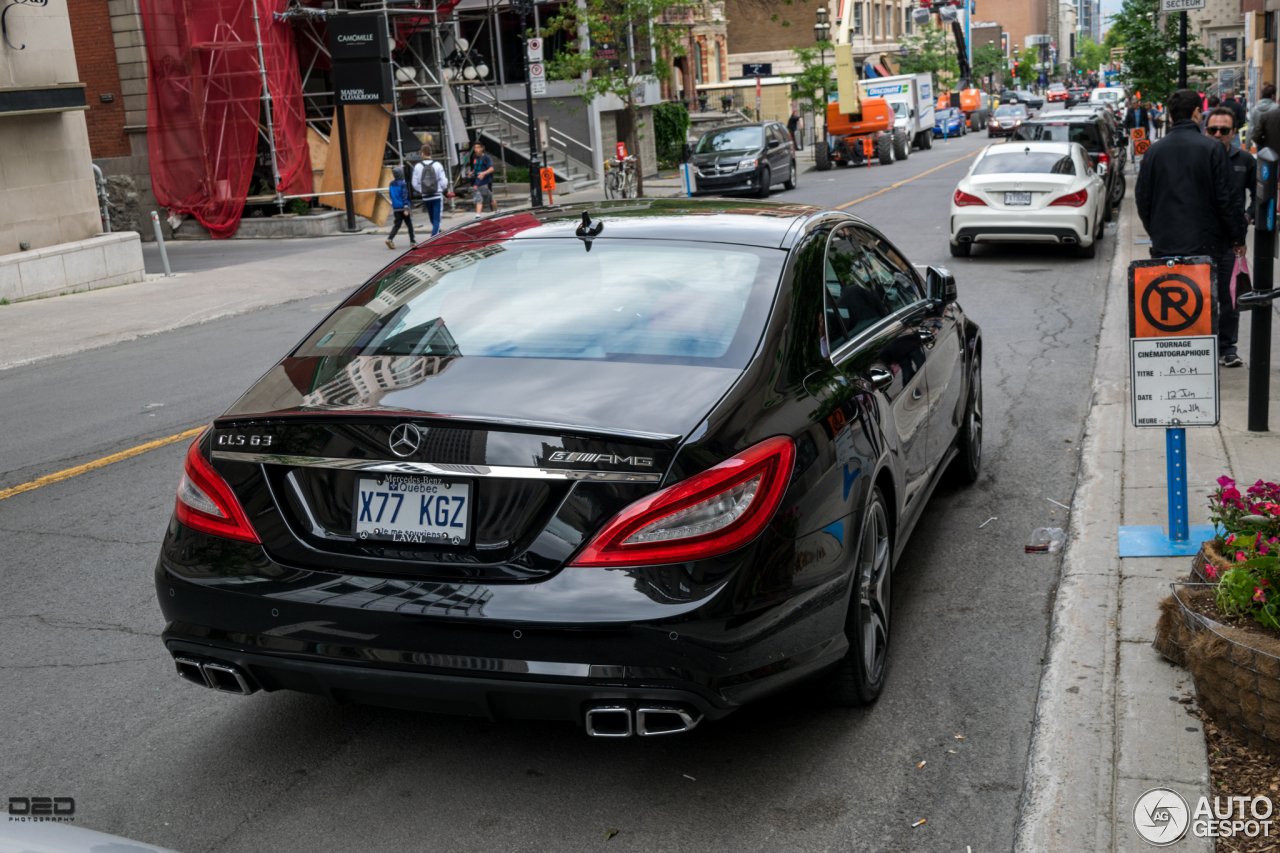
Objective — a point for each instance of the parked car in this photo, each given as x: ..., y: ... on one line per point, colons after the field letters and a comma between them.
x: 1034, y: 192
x: 1031, y: 99
x: 1108, y: 117
x: 744, y: 158
x: 1111, y: 96
x: 632, y: 466
x: 1077, y: 95
x: 949, y: 122
x: 1005, y: 119
x: 1106, y: 150
x: 1057, y: 93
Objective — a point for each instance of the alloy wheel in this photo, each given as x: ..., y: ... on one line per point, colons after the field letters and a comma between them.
x: 874, y: 593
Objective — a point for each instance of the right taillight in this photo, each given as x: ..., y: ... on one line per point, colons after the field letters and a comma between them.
x: 963, y: 199
x: 707, y: 515
x: 1076, y: 199
x: 206, y: 503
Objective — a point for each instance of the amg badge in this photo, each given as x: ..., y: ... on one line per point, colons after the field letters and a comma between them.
x: 562, y: 456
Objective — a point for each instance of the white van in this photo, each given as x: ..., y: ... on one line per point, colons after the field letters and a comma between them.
x: 1113, y: 96
x: 911, y: 98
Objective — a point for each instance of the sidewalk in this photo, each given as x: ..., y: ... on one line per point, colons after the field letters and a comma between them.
x: 1108, y: 724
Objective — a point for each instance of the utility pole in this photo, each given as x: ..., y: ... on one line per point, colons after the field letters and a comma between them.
x: 1182, y: 50
x: 524, y: 8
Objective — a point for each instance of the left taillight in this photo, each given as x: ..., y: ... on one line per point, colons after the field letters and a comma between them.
x: 1075, y: 199
x: 206, y: 503
x: 707, y: 515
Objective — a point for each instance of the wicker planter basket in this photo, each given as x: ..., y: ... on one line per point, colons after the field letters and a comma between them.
x: 1208, y: 553
x: 1237, y: 674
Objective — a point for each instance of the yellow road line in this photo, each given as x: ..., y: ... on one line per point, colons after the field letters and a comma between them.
x: 907, y: 181
x: 98, y: 463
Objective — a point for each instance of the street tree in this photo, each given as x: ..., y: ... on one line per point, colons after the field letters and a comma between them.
x: 930, y: 51
x: 609, y: 45
x: 811, y: 82
x: 1090, y: 55
x: 1150, y: 42
x: 988, y: 60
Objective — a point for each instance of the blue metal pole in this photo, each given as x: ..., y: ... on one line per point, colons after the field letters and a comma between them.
x: 1175, y: 443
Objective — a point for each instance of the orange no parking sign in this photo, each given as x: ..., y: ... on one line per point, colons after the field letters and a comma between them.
x: 1172, y: 298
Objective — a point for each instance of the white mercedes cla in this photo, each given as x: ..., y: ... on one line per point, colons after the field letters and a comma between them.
x: 1029, y: 192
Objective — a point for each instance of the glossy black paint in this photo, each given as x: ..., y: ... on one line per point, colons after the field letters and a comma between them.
x: 504, y: 626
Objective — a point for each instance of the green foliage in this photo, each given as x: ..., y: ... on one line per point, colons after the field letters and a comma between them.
x: 517, y: 174
x: 1151, y: 49
x: 930, y: 50
x: 4, y: 301
x: 299, y: 206
x: 1025, y: 70
x: 670, y: 130
x: 988, y: 59
x: 1090, y: 55
x: 811, y: 82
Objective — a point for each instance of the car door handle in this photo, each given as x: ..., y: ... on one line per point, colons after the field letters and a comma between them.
x: 916, y: 393
x: 926, y: 336
x: 880, y: 378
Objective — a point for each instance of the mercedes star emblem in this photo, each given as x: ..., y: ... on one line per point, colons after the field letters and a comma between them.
x: 404, y: 440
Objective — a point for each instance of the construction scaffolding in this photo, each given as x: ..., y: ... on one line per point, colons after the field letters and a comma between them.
x: 210, y: 60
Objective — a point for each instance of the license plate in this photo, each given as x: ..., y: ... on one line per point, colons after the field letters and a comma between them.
x: 411, y: 509
x: 1017, y: 198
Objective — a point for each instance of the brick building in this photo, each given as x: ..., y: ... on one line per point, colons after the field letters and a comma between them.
x: 1019, y: 18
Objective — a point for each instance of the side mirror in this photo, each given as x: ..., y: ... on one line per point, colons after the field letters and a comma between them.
x: 940, y: 286
x: 773, y: 143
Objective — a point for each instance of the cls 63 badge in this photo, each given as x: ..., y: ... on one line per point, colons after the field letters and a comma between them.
x: 228, y: 440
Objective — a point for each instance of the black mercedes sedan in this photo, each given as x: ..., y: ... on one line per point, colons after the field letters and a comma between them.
x: 631, y: 465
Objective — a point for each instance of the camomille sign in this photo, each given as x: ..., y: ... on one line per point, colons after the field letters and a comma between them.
x: 361, y: 59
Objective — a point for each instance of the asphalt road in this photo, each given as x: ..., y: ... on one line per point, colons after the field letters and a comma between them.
x: 90, y: 706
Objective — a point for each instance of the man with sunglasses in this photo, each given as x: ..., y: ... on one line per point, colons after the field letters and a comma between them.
x: 1187, y: 201
x: 1221, y: 125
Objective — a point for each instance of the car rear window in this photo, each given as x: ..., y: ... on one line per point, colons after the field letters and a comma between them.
x: 1083, y: 132
x: 624, y: 300
x: 1026, y: 161
x: 1010, y: 111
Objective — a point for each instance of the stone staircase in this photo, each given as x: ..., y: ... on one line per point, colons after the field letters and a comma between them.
x: 504, y: 125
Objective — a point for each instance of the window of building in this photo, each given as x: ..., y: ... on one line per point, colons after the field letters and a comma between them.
x: 1228, y: 50
x: 697, y: 62
x: 857, y: 19
x: 879, y: 33
x: 906, y: 20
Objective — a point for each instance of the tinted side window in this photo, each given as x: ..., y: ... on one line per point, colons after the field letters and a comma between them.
x: 865, y: 281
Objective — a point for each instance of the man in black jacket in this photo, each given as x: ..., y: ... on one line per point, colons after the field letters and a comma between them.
x: 1221, y: 125
x: 1237, y: 109
x: 1187, y: 202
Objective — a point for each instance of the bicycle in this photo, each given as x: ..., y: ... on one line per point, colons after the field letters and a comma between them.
x: 620, y: 178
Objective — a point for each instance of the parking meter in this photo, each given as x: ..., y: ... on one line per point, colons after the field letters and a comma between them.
x: 1265, y: 191
x: 1264, y: 247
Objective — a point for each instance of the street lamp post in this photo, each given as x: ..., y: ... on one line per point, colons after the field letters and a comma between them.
x: 524, y: 8
x: 822, y: 31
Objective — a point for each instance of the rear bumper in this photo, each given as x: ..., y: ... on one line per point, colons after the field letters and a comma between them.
x: 541, y: 650
x: 1004, y: 227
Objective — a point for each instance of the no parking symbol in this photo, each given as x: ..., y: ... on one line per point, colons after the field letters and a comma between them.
x: 1172, y: 298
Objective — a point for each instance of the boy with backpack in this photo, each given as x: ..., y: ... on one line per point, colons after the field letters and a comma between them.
x: 400, y: 207
x: 430, y: 182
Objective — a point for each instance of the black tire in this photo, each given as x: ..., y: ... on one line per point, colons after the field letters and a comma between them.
x: 901, y: 146
x: 967, y: 465
x: 859, y: 677
x: 960, y: 250
x: 821, y: 155
x: 790, y: 183
x: 884, y: 149
x: 1088, y: 251
x: 843, y: 164
x: 1121, y: 186
x: 928, y: 141
x: 765, y: 178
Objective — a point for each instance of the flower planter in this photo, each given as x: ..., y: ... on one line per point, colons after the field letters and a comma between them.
x: 1237, y: 673
x: 1210, y: 555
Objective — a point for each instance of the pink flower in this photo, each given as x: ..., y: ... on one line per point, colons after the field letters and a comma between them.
x: 1211, y: 570
x: 1258, y: 594
x: 1231, y: 538
x: 1273, y: 540
x: 1231, y: 494
x: 1262, y: 548
x: 1241, y: 556
x: 1225, y: 481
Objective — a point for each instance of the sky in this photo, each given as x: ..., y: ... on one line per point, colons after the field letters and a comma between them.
x: 1109, y: 8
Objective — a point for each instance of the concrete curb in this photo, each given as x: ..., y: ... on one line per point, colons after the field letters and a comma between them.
x: 1068, y: 786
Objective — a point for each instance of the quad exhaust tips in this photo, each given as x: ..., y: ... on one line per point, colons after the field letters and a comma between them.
x: 645, y: 721
x: 224, y: 677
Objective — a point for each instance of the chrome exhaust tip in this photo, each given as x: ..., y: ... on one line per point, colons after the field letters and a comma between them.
x: 664, y: 721
x: 1069, y: 240
x: 609, y: 721
x: 189, y: 669
x: 227, y: 678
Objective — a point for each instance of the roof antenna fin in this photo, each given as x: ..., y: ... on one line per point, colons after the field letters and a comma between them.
x: 588, y: 230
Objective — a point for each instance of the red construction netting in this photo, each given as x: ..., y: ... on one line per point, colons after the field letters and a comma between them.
x: 203, y: 105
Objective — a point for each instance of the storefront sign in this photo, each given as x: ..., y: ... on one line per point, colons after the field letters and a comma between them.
x: 358, y: 37
x: 367, y: 82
